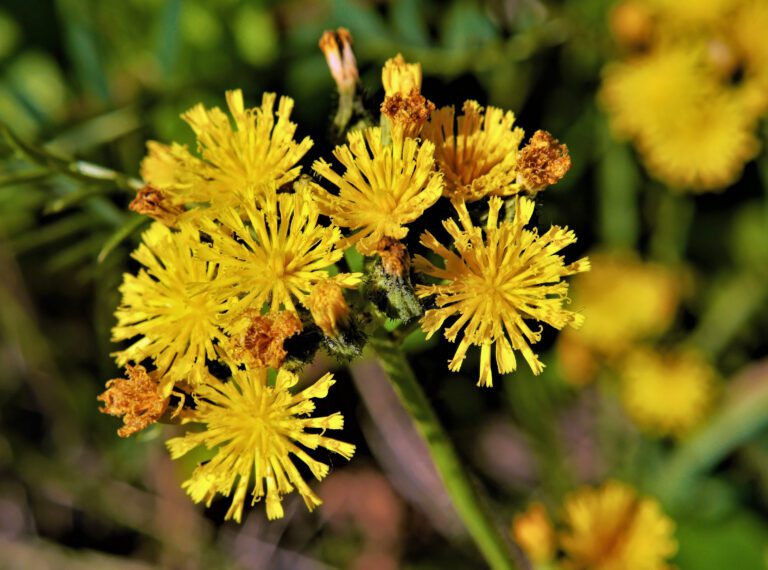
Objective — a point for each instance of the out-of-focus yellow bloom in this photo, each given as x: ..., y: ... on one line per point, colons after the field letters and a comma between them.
x: 477, y: 152
x: 612, y: 528
x: 690, y: 14
x: 174, y: 305
x: 494, y: 282
x: 236, y: 162
x: 257, y: 431
x: 384, y: 186
x: 746, y: 34
x: 667, y: 394
x: 534, y: 533
x: 623, y: 300
x: 273, y: 254
x: 692, y: 132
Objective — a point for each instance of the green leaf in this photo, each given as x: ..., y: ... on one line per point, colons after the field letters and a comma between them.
x: 125, y: 231
x: 408, y: 22
x: 466, y: 26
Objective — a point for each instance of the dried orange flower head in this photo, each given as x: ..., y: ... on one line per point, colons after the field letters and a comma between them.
x: 261, y: 344
x: 139, y: 399
x: 542, y: 162
x: 328, y: 307
x: 394, y: 256
x: 534, y: 532
x: 409, y: 112
x: 156, y: 204
x: 337, y: 47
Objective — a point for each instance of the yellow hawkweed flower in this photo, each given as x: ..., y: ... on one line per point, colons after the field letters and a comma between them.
x: 494, y: 282
x: 256, y: 429
x: 623, y: 300
x: 236, y: 162
x: 746, y: 31
x: 273, y: 254
x: 399, y: 77
x: 692, y: 133
x: 612, y: 528
x: 667, y: 394
x: 173, y: 306
x: 534, y: 533
x: 477, y: 152
x: 383, y: 188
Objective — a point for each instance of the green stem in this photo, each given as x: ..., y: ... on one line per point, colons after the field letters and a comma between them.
x: 673, y: 222
x: 741, y: 418
x: 477, y: 519
x: 78, y: 169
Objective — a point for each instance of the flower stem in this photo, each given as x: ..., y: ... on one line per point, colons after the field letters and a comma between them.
x: 475, y: 516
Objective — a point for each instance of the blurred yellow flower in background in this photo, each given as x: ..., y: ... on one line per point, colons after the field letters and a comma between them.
x: 235, y: 163
x: 667, y: 393
x: 612, y: 528
x: 623, y: 300
x: 534, y: 533
x: 384, y: 186
x: 693, y: 133
x: 495, y: 281
x: 174, y: 305
x: 257, y: 430
x: 691, y: 88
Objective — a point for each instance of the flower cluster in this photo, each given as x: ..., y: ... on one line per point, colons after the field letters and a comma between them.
x: 605, y: 528
x: 691, y: 87
x: 243, y: 274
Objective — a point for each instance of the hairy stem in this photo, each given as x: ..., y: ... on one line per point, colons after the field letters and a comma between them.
x: 473, y: 513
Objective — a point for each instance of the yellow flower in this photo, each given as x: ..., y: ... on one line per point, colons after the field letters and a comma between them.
x: 478, y: 152
x: 328, y: 307
x: 692, y: 132
x: 690, y: 14
x: 235, y: 162
x: 612, y: 528
x: 746, y: 31
x: 399, y: 77
x: 667, y: 394
x: 273, y: 254
x: 494, y: 282
x: 623, y: 300
x: 383, y: 188
x: 258, y: 431
x: 534, y: 533
x: 173, y: 306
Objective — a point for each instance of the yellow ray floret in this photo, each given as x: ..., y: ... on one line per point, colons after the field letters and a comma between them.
x: 667, y: 394
x: 384, y: 186
x: 399, y: 77
x: 477, y: 152
x: 612, y: 528
x: 273, y: 255
x: 170, y: 310
x: 258, y: 431
x: 236, y: 160
x: 494, y: 282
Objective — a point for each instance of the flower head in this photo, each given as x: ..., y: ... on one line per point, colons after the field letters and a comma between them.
x: 261, y: 344
x: 399, y: 77
x: 139, y: 399
x: 477, y: 152
x: 495, y: 282
x: 328, y: 307
x: 258, y: 431
x: 236, y: 161
x: 692, y: 132
x: 384, y: 186
x: 341, y: 59
x: 272, y: 256
x: 667, y: 394
x: 171, y: 310
x: 611, y: 528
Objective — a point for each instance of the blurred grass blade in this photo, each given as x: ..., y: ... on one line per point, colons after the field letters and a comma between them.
x: 619, y: 185
x: 54, y: 232
x: 168, y: 33
x: 74, y: 198
x: 26, y: 177
x: 124, y: 232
